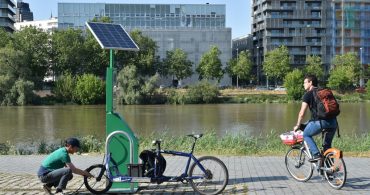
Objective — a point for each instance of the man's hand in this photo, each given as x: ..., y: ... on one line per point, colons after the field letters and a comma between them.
x: 296, y: 128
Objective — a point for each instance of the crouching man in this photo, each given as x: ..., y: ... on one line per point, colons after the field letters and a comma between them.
x: 56, y: 169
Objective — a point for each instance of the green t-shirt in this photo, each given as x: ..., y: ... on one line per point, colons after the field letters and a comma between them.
x: 57, y: 159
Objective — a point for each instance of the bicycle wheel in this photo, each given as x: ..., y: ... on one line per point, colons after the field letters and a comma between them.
x: 297, y: 164
x: 214, y: 180
x: 336, y: 173
x: 100, y: 183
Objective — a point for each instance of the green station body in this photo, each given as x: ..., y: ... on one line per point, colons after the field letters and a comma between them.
x: 119, y: 145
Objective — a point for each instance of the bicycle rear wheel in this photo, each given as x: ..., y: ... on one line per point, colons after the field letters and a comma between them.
x: 337, y: 172
x: 297, y: 164
x: 214, y: 180
x: 100, y: 183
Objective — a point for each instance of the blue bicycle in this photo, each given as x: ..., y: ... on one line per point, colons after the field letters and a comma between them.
x: 206, y: 175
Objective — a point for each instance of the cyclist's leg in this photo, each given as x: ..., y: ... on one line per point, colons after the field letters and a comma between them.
x: 329, y: 124
x: 313, y: 128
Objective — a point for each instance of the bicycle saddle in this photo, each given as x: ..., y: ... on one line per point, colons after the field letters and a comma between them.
x: 157, y: 141
x: 196, y: 136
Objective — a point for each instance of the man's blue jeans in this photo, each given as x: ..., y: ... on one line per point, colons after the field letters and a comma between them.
x: 313, y: 128
x: 57, y: 178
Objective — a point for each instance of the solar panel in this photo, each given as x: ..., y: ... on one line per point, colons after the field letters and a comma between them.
x: 112, y: 36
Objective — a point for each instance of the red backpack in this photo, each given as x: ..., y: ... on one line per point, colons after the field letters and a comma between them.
x: 327, y: 106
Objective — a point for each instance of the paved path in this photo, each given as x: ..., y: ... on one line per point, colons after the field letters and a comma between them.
x: 248, y: 175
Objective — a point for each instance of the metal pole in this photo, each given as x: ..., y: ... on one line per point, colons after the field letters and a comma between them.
x: 258, y: 69
x: 362, y: 70
x: 109, y: 85
x: 237, y: 59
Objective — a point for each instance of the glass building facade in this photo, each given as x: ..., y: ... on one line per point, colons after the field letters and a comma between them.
x: 350, y: 29
x: 7, y: 12
x: 149, y: 16
x: 191, y: 27
x: 23, y: 12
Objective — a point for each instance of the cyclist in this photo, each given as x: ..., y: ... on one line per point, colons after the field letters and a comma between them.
x: 314, y: 126
x: 56, y: 169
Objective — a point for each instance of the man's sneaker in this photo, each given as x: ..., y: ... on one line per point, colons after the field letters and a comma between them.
x: 59, y: 191
x: 315, y: 158
x: 47, y: 189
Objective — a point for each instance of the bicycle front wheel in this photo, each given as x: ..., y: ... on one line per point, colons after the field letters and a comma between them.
x: 100, y: 184
x: 335, y: 171
x: 213, y: 180
x: 297, y: 164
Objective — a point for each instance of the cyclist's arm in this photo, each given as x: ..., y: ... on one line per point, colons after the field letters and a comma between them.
x: 78, y: 171
x: 301, y: 113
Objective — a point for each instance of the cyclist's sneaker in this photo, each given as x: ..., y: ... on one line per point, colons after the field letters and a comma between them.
x: 47, y: 189
x: 315, y: 158
x: 59, y: 191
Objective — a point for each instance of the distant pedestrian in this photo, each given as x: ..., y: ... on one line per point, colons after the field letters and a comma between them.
x: 56, y: 169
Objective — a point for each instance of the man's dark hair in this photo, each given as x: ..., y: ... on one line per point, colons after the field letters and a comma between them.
x: 73, y: 142
x: 312, y: 78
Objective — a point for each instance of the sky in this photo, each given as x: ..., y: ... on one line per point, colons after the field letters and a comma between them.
x: 238, y: 12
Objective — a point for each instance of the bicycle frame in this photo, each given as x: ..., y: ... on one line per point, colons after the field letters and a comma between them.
x: 304, y: 146
x: 118, y: 177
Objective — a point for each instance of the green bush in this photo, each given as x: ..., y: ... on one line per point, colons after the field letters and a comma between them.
x: 175, y: 96
x: 293, y: 83
x: 203, y: 92
x: 64, y: 88
x: 89, y: 89
x: 21, y: 93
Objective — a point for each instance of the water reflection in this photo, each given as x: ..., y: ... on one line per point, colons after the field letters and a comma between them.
x: 30, y: 123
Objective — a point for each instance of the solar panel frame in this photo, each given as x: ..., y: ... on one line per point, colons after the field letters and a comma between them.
x: 112, y: 36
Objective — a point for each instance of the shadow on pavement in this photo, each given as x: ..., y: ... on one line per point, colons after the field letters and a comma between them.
x: 358, y: 183
x: 256, y: 179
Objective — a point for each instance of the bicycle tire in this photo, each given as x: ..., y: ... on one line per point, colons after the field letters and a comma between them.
x: 295, y: 166
x: 213, y: 166
x: 104, y: 184
x: 337, y: 178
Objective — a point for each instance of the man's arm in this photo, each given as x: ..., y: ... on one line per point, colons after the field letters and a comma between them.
x: 78, y: 171
x: 301, y: 113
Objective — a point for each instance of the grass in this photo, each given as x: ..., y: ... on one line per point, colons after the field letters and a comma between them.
x: 209, y: 144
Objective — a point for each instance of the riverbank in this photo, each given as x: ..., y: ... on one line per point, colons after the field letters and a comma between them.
x: 230, y: 144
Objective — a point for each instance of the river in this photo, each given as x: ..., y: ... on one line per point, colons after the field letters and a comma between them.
x: 34, y: 123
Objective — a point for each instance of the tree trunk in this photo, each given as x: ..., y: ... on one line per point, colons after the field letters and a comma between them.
x: 237, y: 82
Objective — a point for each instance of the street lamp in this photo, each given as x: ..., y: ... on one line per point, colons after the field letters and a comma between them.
x: 237, y: 77
x: 258, y: 71
x: 362, y: 76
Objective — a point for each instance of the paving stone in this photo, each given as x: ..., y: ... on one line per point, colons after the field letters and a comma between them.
x: 247, y: 175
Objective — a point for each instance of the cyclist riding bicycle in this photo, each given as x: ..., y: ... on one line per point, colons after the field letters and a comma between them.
x: 314, y: 126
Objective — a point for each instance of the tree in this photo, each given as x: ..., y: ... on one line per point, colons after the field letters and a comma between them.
x: 341, y: 78
x: 68, y: 51
x: 352, y: 62
x: 293, y: 84
x: 13, y: 63
x: 210, y: 66
x: 178, y: 64
x: 95, y: 58
x: 241, y: 67
x: 314, y: 66
x: 276, y: 64
x: 5, y: 37
x: 146, y: 60
x: 35, y: 47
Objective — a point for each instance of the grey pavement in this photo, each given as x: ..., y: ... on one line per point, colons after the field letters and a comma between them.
x: 248, y: 175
